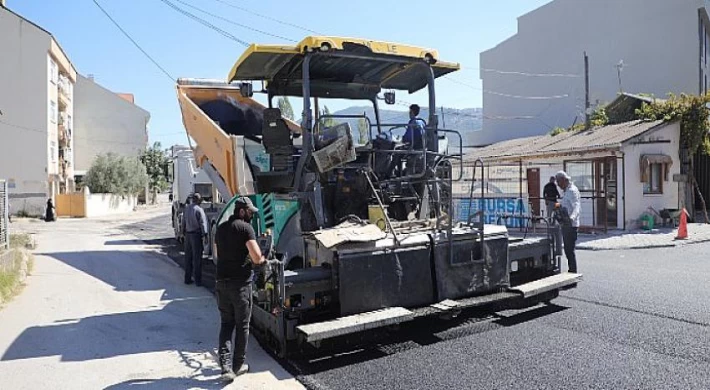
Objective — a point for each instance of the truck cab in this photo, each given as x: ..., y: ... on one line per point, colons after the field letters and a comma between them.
x: 188, y: 179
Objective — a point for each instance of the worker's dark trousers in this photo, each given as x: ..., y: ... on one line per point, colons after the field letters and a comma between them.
x: 569, y: 238
x: 234, y: 303
x: 193, y: 257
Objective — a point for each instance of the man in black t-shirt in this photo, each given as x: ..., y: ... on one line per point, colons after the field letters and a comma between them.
x: 551, y: 195
x: 237, y: 251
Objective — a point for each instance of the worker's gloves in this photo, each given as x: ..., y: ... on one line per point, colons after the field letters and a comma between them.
x: 265, y: 270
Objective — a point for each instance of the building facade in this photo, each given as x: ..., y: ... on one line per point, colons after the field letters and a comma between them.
x: 37, y: 106
x: 534, y: 81
x: 106, y: 122
x: 623, y: 171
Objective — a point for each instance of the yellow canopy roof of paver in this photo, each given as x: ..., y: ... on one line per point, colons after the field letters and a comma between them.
x: 372, y: 65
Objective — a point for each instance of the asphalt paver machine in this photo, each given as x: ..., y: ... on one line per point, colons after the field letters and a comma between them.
x: 362, y: 226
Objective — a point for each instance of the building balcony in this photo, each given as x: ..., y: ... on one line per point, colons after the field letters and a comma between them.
x: 63, y: 135
x: 66, y: 89
x: 63, y: 140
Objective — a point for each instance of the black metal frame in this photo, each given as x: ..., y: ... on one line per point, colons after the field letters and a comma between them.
x: 430, y: 141
x: 433, y: 159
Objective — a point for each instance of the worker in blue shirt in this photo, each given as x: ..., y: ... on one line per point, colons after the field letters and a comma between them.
x: 414, y: 136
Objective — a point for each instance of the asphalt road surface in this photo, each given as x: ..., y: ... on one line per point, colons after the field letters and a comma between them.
x: 639, y: 320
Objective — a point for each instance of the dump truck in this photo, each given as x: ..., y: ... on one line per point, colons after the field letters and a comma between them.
x: 363, y: 233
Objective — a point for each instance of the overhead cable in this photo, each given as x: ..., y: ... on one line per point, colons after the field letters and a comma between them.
x: 229, y: 4
x: 205, y: 23
x: 505, y: 94
x: 530, y: 74
x: 235, y: 23
x: 134, y: 42
x: 527, y: 97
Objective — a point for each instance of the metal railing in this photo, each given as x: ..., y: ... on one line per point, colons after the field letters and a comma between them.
x: 4, y: 216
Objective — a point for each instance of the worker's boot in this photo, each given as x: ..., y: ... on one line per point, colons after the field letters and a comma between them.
x: 226, y: 366
x: 242, y: 370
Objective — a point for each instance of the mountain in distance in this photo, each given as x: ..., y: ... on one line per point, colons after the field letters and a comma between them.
x: 465, y: 120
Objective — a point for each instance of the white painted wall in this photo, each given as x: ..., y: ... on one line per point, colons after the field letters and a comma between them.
x: 24, y: 102
x: 658, y: 40
x: 636, y: 201
x: 104, y: 122
x: 101, y: 205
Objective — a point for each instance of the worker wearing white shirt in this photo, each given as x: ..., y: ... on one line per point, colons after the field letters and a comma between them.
x: 571, y: 207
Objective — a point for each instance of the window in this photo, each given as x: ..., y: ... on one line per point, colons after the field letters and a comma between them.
x: 53, y: 151
x: 53, y: 72
x: 53, y: 113
x: 582, y: 173
x: 654, y: 179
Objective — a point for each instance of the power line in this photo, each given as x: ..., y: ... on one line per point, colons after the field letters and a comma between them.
x: 234, y: 23
x: 505, y: 94
x: 507, y: 72
x: 205, y: 23
x: 527, y: 97
x: 268, y: 17
x: 133, y: 41
x: 462, y: 83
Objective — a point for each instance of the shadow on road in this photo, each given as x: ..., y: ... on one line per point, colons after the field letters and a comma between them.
x: 169, y: 247
x: 169, y: 328
x: 168, y: 384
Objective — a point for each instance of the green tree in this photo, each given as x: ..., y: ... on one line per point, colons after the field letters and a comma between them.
x: 364, y: 129
x: 694, y: 116
x: 115, y: 174
x: 156, y: 164
x: 327, y: 122
x: 599, y: 117
x: 285, y: 106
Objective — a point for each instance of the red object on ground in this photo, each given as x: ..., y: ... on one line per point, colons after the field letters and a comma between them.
x: 683, y: 227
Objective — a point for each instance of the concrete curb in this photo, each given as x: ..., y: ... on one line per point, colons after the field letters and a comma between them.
x: 675, y: 244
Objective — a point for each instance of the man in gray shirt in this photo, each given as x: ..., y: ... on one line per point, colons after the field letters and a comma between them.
x: 194, y: 226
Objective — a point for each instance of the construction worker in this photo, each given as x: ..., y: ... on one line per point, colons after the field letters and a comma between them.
x: 415, y: 129
x: 194, y: 226
x: 237, y: 252
x: 570, y: 208
x: 551, y: 195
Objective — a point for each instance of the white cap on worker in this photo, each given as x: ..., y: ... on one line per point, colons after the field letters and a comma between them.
x: 562, y: 175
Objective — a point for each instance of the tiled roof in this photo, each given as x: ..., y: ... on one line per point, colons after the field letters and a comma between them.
x: 598, y: 138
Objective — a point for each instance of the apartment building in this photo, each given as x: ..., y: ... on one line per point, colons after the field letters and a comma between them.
x: 534, y: 80
x: 37, y: 105
x: 106, y: 122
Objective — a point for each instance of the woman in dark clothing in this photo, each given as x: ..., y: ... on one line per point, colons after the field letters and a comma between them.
x: 49, y: 213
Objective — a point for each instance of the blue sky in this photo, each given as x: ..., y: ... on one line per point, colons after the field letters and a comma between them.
x: 459, y: 29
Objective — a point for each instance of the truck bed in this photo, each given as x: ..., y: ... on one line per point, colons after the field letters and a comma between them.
x: 224, y: 125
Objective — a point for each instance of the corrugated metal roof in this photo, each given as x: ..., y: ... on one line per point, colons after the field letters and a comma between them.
x: 598, y: 138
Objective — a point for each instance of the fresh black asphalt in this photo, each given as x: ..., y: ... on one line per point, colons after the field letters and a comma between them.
x: 639, y: 320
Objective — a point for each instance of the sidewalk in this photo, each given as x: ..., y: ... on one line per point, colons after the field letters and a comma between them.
x: 104, y: 310
x: 639, y: 239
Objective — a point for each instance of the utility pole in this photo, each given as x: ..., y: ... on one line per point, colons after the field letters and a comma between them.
x: 443, y: 119
x: 586, y: 92
x: 619, y: 68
